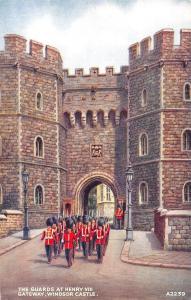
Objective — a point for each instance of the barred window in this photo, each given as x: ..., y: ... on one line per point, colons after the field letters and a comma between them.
x: 143, y: 145
x: 143, y: 193
x: 187, y: 192
x: 39, y: 101
x: 187, y: 92
x: 187, y: 140
x: 39, y: 151
x: 39, y: 197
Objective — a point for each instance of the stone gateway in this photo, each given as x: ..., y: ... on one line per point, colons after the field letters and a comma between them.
x: 73, y: 132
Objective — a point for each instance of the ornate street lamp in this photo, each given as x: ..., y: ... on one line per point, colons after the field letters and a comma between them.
x: 26, y: 230
x: 129, y: 177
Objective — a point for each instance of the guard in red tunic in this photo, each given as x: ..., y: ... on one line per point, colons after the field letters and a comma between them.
x: 79, y: 229
x: 60, y: 235
x: 69, y: 240
x: 100, y: 240
x: 56, y: 238
x: 48, y: 236
x: 92, y: 231
x: 119, y: 216
x: 85, y: 236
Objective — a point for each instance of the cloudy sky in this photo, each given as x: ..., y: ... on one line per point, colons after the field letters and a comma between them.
x: 92, y: 32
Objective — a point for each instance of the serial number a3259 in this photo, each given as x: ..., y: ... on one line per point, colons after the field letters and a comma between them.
x: 175, y: 294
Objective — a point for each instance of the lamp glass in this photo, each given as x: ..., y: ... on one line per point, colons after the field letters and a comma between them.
x: 25, y: 176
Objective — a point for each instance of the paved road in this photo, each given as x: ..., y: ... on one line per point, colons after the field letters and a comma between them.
x: 26, y: 267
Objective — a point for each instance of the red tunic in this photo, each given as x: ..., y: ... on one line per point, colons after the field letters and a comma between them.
x: 48, y: 235
x: 99, y: 237
x: 84, y: 234
x: 69, y: 239
x: 119, y: 214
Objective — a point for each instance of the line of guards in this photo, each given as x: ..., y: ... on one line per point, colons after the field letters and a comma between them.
x: 82, y: 233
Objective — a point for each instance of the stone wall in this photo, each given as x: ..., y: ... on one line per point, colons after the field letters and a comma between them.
x: 10, y: 221
x: 173, y: 229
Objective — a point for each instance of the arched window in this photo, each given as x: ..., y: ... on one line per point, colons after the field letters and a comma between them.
x: 39, y: 195
x: 78, y: 118
x: 111, y: 117
x: 39, y: 149
x: 143, y: 145
x: 100, y: 118
x: 1, y: 146
x: 187, y: 92
x: 39, y: 101
x: 89, y: 118
x: 1, y: 194
x: 187, y: 192
x: 67, y: 121
x: 143, y: 193
x: 123, y: 117
x: 186, y: 139
x: 144, y: 98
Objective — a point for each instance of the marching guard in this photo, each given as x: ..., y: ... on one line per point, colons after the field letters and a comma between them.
x: 48, y: 236
x: 69, y: 240
x: 85, y: 236
x: 100, y: 240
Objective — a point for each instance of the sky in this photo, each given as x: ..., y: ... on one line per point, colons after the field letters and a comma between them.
x: 92, y: 33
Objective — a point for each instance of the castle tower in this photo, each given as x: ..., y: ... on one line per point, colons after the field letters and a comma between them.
x: 31, y: 128
x: 159, y: 134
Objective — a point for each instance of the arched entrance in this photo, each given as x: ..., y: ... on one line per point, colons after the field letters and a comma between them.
x: 86, y: 185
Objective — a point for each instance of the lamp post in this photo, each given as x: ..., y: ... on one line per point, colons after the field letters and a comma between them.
x: 129, y: 177
x: 26, y: 230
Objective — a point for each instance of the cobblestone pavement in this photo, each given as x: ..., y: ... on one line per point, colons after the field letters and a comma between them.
x: 146, y: 250
x: 26, y: 267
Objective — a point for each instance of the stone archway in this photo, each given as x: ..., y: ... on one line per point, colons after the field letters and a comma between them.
x: 88, y: 182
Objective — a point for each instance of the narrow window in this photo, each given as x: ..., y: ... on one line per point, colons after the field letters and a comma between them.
x: 187, y: 192
x: 108, y: 191
x: 102, y: 192
x: 143, y: 193
x: 187, y: 92
x: 39, y: 197
x: 187, y: 140
x: 143, y: 145
x: 1, y: 195
x: 144, y: 97
x: 1, y: 146
x: 39, y: 101
x: 39, y: 147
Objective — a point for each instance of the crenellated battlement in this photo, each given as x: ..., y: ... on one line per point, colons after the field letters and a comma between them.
x: 16, y: 46
x: 163, y: 47
x: 95, y: 72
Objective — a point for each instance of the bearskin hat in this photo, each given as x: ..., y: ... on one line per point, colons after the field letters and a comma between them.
x: 85, y: 219
x: 69, y: 223
x: 55, y: 220
x: 49, y: 222
x: 74, y: 219
x: 80, y: 219
x: 101, y: 221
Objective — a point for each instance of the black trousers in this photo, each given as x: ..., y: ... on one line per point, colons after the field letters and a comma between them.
x: 85, y: 247
x: 48, y: 249
x: 99, y: 249
x: 55, y: 249
x: 69, y: 255
x: 91, y: 246
x: 118, y: 223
